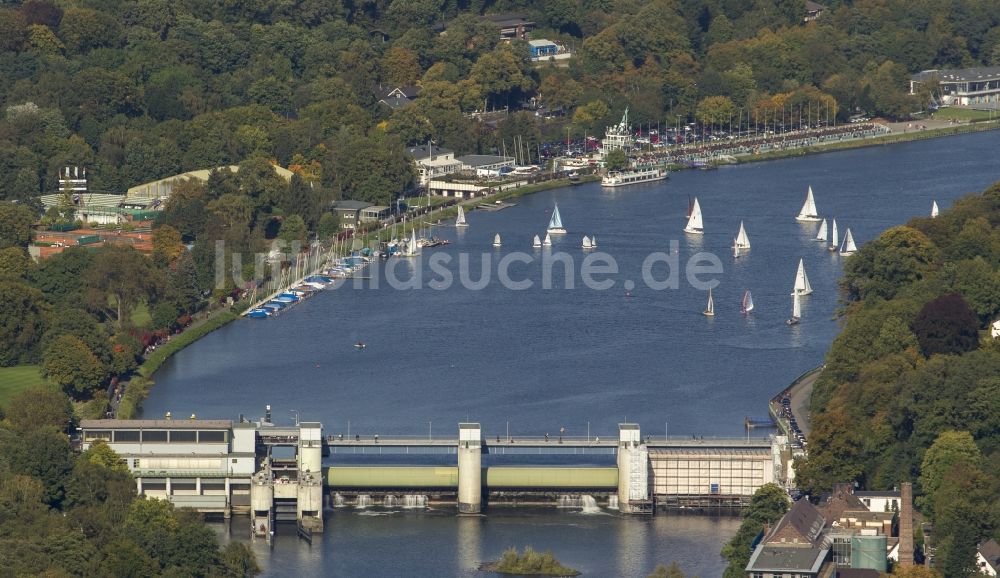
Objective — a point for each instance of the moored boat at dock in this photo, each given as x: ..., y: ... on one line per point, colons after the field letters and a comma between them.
x: 634, y: 176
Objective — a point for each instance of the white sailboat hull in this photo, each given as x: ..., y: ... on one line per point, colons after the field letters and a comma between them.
x: 807, y: 219
x: 556, y: 231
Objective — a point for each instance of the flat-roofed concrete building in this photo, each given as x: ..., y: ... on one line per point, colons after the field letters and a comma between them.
x: 963, y: 87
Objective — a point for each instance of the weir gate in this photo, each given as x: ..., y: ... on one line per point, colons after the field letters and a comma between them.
x: 276, y: 473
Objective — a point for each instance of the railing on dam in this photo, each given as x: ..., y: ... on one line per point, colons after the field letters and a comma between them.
x: 494, y: 478
x: 527, y: 445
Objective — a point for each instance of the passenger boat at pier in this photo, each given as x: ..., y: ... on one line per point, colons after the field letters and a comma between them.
x: 634, y: 176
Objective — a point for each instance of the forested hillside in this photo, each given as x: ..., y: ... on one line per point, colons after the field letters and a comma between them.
x: 911, y: 389
x: 141, y: 89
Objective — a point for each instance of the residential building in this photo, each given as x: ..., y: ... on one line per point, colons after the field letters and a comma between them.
x: 396, y: 97
x: 349, y: 212
x: 793, y: 547
x: 988, y: 558
x: 433, y: 162
x: 374, y: 213
x: 813, y: 11
x: 964, y: 87
x: 879, y: 501
x: 512, y: 26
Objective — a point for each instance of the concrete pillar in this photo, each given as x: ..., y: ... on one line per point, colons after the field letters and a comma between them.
x: 168, y: 487
x: 633, y: 470
x: 470, y: 468
x: 309, y: 495
x: 138, y: 486
x: 197, y: 486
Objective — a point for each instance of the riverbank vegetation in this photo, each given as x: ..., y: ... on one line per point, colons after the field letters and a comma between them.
x: 77, y: 514
x: 911, y: 388
x: 531, y: 563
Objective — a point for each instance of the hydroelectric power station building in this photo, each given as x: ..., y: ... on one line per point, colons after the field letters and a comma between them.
x: 276, y: 473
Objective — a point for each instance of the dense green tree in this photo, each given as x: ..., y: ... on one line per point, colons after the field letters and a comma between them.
x: 71, y: 365
x: 950, y: 448
x: 14, y: 263
x: 38, y: 408
x: 947, y: 325
x: 374, y: 169
x: 15, y: 225
x: 898, y: 256
x: 167, y: 245
x: 328, y: 226
x: 60, y: 277
x: 23, y: 318
x: 615, y: 160
x: 118, y: 278
x: 43, y: 454
x: 671, y: 571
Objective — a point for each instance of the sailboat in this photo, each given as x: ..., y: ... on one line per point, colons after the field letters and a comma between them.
x: 821, y: 236
x: 593, y: 241
x: 808, y: 214
x: 746, y: 304
x: 802, y: 286
x: 555, y: 223
x: 496, y: 240
x: 834, y: 238
x: 710, y: 308
x: 586, y: 243
x: 694, y: 224
x: 848, y: 248
x: 412, y: 247
x: 548, y: 240
x: 536, y: 243
x: 460, y: 219
x: 934, y: 210
x: 742, y: 242
x: 796, y: 310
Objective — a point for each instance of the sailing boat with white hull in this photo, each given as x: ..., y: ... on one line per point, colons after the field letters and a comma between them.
x: 802, y: 286
x: 746, y: 304
x: 742, y: 242
x: 796, y: 310
x: 460, y: 219
x: 555, y: 223
x: 848, y: 248
x: 808, y: 214
x: 694, y: 224
x: 821, y: 236
x: 834, y: 238
x: 710, y: 308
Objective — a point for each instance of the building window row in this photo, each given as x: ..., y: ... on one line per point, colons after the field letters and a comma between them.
x: 157, y: 436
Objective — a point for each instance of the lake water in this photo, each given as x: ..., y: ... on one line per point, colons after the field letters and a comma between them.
x: 539, y: 359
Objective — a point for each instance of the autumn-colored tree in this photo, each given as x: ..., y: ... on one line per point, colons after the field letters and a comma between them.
x: 70, y: 364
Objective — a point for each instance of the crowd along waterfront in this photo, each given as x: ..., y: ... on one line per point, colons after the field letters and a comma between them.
x: 538, y: 360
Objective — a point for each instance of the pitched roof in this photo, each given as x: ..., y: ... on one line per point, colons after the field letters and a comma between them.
x: 814, y: 7
x: 841, y: 500
x: 961, y: 75
x: 776, y: 558
x: 421, y: 152
x: 350, y: 205
x: 990, y: 550
x: 803, y: 518
x: 395, y: 102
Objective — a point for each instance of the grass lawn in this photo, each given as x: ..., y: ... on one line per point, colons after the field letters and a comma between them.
x: 140, y: 315
x: 963, y: 114
x: 14, y: 380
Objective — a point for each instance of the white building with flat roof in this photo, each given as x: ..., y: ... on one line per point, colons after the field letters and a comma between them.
x: 433, y: 162
x: 965, y: 87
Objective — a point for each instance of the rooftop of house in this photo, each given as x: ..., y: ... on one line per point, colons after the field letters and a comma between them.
x: 803, y: 518
x: 842, y: 499
x: 350, y: 205
x: 814, y: 7
x: 541, y: 42
x: 960, y: 75
x: 990, y: 550
x: 421, y: 152
x: 856, y: 573
x: 777, y: 558
x: 484, y: 160
x: 877, y: 494
x: 395, y: 102
x: 509, y: 19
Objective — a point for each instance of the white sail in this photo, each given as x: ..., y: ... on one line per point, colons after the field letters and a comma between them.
x: 834, y: 238
x: 802, y: 286
x: 710, y: 308
x: 412, y: 247
x: 548, y: 240
x: 694, y: 224
x: 821, y: 236
x: 460, y: 219
x: 586, y: 242
x: 496, y: 240
x: 934, y: 209
x: 593, y: 241
x: 796, y: 307
x: 536, y: 243
x: 555, y: 223
x: 742, y: 240
x: 747, y: 303
x: 808, y: 212
x: 848, y: 248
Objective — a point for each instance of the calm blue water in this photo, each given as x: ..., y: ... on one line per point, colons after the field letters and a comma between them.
x: 538, y: 359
